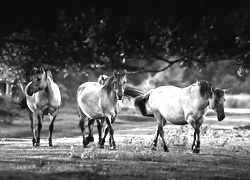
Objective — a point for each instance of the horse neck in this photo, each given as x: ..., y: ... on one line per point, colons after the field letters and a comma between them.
x: 48, y: 89
x: 201, y: 100
x: 109, y: 91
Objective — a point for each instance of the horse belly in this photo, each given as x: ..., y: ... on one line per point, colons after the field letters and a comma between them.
x: 167, y: 101
x: 89, y: 105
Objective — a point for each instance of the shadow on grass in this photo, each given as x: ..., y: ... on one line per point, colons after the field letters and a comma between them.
x: 7, y: 175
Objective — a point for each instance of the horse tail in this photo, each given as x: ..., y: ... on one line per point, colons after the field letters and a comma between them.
x: 132, y: 92
x: 140, y: 103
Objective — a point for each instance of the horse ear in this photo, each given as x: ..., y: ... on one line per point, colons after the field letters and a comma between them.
x: 225, y: 90
x: 115, y: 72
x: 125, y: 72
x: 41, y: 69
x: 212, y: 90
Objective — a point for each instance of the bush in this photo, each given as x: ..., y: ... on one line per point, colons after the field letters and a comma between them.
x: 238, y: 101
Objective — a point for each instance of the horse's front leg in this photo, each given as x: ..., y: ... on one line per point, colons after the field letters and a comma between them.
x: 196, y: 125
x: 40, y: 118
x: 33, y: 127
x: 111, y: 131
x: 51, y: 126
x: 196, y: 148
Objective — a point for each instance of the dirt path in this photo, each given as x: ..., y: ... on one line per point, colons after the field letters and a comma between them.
x: 225, y: 152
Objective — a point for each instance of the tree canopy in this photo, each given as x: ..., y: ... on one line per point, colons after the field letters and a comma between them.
x: 128, y: 35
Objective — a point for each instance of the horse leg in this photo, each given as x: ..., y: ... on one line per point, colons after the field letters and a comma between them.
x: 112, y: 121
x: 161, y: 122
x: 111, y: 131
x: 39, y: 117
x: 155, y: 139
x: 91, y: 123
x: 33, y: 127
x: 196, y: 125
x: 51, y: 126
x: 194, y: 141
x: 104, y: 136
x: 197, y: 146
x: 82, y: 126
x: 99, y: 128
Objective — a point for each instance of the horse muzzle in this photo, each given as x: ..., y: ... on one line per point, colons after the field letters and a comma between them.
x: 220, y: 117
x: 30, y: 92
x: 119, y: 96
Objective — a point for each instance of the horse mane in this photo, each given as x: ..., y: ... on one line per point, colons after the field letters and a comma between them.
x: 48, y: 74
x: 108, y: 84
x: 205, y: 88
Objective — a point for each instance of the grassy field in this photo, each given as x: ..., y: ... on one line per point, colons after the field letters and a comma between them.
x: 225, y: 150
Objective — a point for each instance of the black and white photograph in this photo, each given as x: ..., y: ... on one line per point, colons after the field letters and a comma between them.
x: 126, y: 89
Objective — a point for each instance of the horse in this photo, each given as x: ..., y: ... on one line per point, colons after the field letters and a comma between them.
x: 181, y: 106
x: 102, y: 79
x: 96, y: 101
x: 42, y: 97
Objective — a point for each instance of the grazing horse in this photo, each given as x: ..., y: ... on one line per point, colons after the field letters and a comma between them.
x: 42, y: 97
x: 182, y: 106
x: 96, y: 101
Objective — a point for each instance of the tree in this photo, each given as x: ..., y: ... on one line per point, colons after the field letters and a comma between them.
x: 128, y: 35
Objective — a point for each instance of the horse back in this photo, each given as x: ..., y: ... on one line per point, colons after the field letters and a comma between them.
x: 167, y: 100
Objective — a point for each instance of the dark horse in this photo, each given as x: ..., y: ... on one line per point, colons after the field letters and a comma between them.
x: 181, y: 106
x: 42, y: 97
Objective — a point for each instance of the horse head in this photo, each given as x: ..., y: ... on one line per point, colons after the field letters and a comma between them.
x: 38, y: 81
x: 119, y: 82
x: 103, y: 79
x: 217, y: 102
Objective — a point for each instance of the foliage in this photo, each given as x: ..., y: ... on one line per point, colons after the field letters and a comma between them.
x: 124, y: 34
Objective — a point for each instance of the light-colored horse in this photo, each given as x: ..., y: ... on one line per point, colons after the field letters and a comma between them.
x: 182, y: 106
x: 99, y: 102
x: 102, y: 79
x: 43, y: 97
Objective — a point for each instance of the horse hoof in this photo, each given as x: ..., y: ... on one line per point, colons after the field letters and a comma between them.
x: 196, y: 150
x: 101, y: 146
x: 50, y: 144
x: 89, y: 139
x: 37, y: 144
x: 113, y: 148
x: 153, y: 148
x: 166, y: 150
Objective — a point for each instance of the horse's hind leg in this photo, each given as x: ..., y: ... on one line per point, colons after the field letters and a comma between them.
x: 82, y: 126
x: 91, y: 123
x: 51, y: 126
x: 160, y: 123
x: 155, y: 138
x: 100, y: 130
